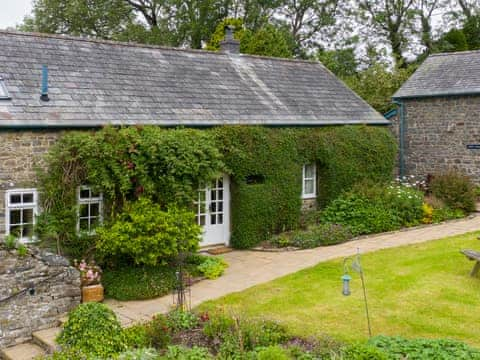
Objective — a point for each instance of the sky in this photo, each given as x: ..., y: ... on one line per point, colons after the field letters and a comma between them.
x: 13, y: 11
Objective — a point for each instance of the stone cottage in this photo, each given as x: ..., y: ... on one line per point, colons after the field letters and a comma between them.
x: 437, y: 122
x: 51, y: 84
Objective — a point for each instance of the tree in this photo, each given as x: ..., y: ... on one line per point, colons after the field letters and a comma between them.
x: 168, y: 22
x: 469, y: 8
x: 94, y: 18
x: 307, y: 19
x: 392, y: 19
x: 269, y: 40
x: 377, y: 84
x: 471, y: 29
x: 341, y: 62
x: 425, y: 10
x: 454, y: 40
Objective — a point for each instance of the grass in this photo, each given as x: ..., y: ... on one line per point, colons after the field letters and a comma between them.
x: 413, y: 291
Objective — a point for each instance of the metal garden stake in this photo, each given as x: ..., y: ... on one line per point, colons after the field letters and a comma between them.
x: 357, y: 267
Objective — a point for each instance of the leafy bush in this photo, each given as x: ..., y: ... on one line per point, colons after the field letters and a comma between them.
x: 158, y: 331
x: 139, y: 354
x: 183, y: 353
x: 281, y: 240
x: 139, y: 282
x: 93, y: 329
x: 261, y: 332
x: 149, y: 235
x: 178, y: 320
x: 363, y: 352
x: 446, y: 213
x: 212, y: 267
x: 399, y: 348
x: 373, y: 208
x: 137, y: 337
x: 272, y: 353
x: 322, y: 235
x: 455, y: 189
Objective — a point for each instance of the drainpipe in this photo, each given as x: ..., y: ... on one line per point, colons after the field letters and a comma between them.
x: 401, y: 135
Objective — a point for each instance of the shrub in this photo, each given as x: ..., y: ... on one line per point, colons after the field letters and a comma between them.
x: 149, y: 235
x: 139, y: 354
x: 446, y: 213
x: 373, y: 208
x: 178, y: 320
x: 158, y: 331
x: 455, y: 189
x: 272, y: 353
x: 93, y: 329
x: 138, y: 282
x: 137, y: 337
x: 399, y: 348
x: 218, y: 325
x: 183, y: 353
x: 321, y: 235
x: 262, y: 332
x: 281, y: 240
x: 212, y: 267
x: 363, y: 352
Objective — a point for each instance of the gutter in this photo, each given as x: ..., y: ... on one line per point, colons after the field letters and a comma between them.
x: 401, y: 136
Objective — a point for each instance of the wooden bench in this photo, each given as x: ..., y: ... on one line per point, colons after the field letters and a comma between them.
x: 474, y: 256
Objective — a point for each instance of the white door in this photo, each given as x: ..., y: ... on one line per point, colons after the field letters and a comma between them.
x: 213, y: 212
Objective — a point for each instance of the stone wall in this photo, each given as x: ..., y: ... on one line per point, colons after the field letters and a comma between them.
x: 56, y: 290
x: 438, y: 131
x: 20, y: 153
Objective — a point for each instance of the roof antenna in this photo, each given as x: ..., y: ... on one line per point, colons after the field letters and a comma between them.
x: 44, y: 96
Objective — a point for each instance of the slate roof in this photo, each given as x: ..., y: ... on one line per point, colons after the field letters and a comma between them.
x: 93, y: 83
x: 444, y: 74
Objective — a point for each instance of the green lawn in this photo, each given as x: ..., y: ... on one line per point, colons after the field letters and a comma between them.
x: 415, y: 291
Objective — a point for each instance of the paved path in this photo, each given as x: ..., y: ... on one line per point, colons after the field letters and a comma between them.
x: 249, y: 268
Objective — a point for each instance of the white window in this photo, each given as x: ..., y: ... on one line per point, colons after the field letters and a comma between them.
x: 309, y: 181
x: 89, y: 209
x: 21, y: 210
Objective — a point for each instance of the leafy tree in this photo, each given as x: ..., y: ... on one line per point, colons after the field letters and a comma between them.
x: 469, y: 8
x: 425, y: 10
x: 269, y: 40
x: 100, y: 18
x: 342, y: 62
x: 307, y: 19
x: 471, y: 30
x: 377, y: 84
x: 392, y: 19
x: 454, y: 40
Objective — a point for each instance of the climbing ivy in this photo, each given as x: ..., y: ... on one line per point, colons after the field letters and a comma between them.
x: 168, y: 165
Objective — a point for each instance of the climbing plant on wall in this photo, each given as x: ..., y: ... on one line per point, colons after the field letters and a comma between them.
x: 168, y: 165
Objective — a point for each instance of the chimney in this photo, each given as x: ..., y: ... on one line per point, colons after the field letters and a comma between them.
x: 230, y: 45
x: 44, y: 96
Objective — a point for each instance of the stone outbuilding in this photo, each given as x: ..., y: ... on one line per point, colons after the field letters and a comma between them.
x: 438, y: 116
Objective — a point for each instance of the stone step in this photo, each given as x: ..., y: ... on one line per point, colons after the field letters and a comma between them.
x: 26, y: 351
x: 46, y: 339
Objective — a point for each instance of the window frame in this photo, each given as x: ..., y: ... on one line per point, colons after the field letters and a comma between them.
x: 3, y: 88
x: 88, y: 201
x: 314, y: 179
x: 22, y: 206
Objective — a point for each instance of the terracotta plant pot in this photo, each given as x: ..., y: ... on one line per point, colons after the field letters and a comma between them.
x: 92, y: 293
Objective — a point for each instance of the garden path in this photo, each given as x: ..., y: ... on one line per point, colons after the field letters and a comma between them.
x: 249, y: 268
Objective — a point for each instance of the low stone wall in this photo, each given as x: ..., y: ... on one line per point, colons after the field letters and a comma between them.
x: 52, y: 288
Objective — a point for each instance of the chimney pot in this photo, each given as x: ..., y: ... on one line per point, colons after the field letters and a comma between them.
x: 230, y: 45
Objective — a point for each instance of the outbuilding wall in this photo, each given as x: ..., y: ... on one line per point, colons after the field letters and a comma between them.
x: 437, y: 133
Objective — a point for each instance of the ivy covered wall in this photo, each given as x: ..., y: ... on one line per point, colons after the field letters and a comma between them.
x: 168, y: 165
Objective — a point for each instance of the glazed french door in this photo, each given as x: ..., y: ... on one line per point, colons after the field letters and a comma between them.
x: 213, y: 212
